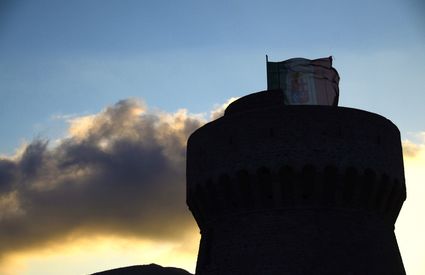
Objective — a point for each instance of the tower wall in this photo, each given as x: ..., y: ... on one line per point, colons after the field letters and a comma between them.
x: 296, y: 190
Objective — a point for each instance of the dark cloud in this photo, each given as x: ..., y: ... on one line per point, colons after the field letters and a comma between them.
x: 119, y: 172
x: 7, y: 175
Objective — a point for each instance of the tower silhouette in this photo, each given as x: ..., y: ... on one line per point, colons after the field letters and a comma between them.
x: 299, y: 189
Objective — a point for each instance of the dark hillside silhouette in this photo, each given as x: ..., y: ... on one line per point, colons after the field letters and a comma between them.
x: 151, y: 269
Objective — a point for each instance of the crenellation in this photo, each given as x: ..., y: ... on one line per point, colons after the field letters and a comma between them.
x: 384, y: 187
x: 287, y: 188
x: 350, y: 178
x: 286, y: 180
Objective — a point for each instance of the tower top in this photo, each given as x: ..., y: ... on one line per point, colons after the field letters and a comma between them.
x: 259, y: 130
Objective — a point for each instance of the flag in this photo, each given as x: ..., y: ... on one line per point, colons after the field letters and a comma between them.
x: 304, y: 81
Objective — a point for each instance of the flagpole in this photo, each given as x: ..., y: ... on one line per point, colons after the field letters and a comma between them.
x: 267, y: 71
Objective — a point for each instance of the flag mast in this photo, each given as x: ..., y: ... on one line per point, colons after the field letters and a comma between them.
x: 267, y: 71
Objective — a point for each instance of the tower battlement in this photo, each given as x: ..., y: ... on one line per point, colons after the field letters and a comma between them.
x: 269, y: 184
x: 287, y: 189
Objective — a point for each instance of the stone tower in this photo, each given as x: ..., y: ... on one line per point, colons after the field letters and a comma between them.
x: 307, y: 189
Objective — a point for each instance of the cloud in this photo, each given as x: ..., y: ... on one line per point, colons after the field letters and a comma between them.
x: 413, y: 149
x: 121, y: 171
x: 410, y: 149
x: 219, y: 109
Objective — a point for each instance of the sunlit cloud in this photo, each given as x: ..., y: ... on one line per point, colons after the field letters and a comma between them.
x: 219, y: 109
x: 17, y: 153
x: 413, y: 149
x: 117, y: 177
x: 120, y: 172
x: 80, y: 126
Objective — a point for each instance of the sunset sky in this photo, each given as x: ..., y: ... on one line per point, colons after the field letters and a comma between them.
x: 98, y: 97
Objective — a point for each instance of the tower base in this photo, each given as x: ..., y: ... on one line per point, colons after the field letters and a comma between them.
x: 300, y: 242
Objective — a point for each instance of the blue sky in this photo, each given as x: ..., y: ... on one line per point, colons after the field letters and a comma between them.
x: 71, y: 59
x: 76, y: 57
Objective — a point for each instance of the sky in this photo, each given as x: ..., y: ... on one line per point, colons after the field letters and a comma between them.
x: 98, y: 97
